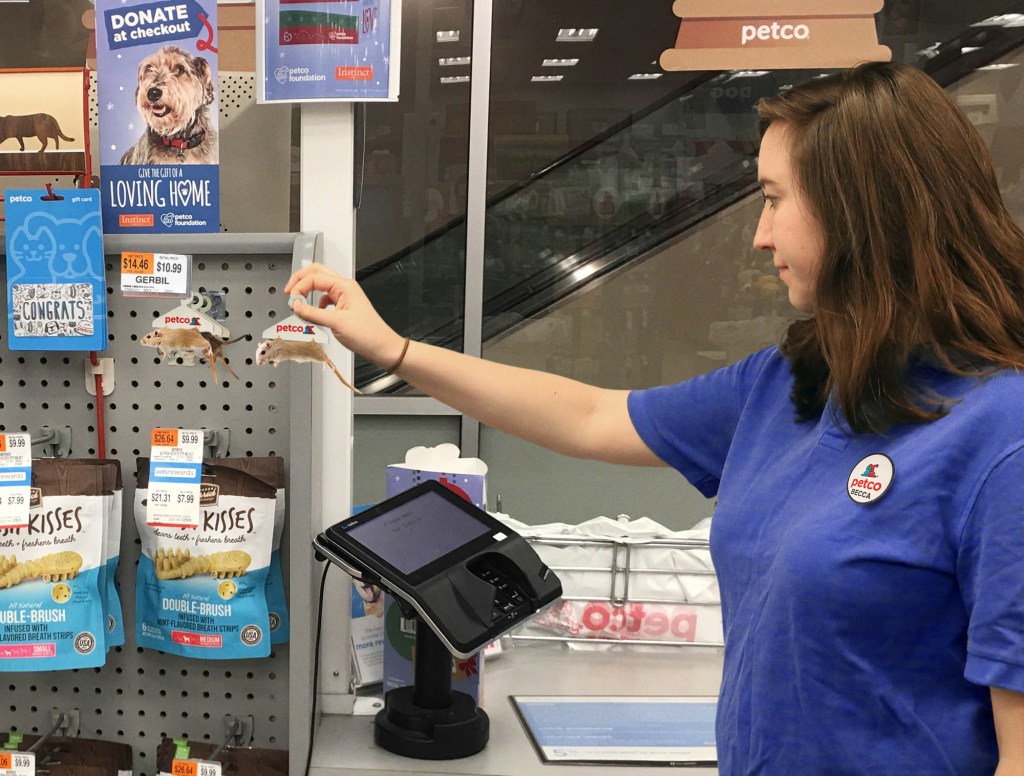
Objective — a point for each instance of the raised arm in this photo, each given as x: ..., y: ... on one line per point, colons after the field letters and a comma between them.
x: 560, y: 414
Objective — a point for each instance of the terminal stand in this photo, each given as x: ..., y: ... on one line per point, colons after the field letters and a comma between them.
x: 429, y: 721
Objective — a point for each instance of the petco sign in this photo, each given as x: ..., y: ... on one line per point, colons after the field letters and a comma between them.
x: 774, y: 34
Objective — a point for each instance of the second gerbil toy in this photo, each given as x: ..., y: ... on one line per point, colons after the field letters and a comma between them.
x: 294, y: 339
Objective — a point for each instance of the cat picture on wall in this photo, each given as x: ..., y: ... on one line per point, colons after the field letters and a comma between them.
x: 42, y: 126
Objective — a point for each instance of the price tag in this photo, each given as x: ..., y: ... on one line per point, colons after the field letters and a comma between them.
x: 195, y: 768
x: 15, y: 479
x: 175, y: 471
x: 156, y: 274
x: 20, y: 764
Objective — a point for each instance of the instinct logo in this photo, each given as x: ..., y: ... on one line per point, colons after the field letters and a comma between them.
x: 870, y: 478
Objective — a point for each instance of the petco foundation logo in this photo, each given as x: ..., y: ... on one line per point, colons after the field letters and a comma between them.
x: 35, y: 498
x: 179, y: 319
x: 209, y: 494
x: 284, y: 75
x: 870, y: 478
x: 293, y: 329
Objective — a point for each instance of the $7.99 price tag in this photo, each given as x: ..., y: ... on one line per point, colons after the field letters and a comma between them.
x: 195, y: 768
x: 17, y: 764
x: 15, y: 479
x: 175, y: 471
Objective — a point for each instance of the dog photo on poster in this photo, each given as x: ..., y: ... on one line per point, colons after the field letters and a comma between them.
x: 157, y: 94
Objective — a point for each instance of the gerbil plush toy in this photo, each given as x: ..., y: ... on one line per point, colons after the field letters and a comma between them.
x: 277, y: 350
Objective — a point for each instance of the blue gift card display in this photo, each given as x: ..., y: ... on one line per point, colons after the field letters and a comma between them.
x: 56, y: 280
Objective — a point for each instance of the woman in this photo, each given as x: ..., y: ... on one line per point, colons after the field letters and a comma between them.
x: 869, y: 533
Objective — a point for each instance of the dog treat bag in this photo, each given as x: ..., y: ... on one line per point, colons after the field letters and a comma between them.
x: 201, y: 592
x: 51, y: 604
x: 113, y: 492
x: 270, y: 469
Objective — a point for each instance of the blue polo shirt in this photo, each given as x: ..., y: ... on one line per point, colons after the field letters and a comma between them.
x: 861, y: 638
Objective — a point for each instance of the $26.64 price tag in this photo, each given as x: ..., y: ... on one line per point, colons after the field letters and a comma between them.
x: 175, y: 471
x: 195, y: 768
x: 15, y: 479
x: 19, y: 764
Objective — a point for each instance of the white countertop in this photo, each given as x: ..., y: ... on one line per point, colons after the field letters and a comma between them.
x: 344, y: 744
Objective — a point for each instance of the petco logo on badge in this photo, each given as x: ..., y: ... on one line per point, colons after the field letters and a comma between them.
x: 291, y: 327
x: 870, y: 478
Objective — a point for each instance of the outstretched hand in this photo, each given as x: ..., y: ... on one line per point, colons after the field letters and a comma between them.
x: 345, y: 310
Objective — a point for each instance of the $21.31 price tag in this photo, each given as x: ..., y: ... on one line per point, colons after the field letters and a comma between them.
x: 195, y: 768
x: 15, y: 479
x: 19, y: 764
x: 175, y: 471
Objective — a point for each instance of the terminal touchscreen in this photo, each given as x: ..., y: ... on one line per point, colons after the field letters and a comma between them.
x: 468, y: 576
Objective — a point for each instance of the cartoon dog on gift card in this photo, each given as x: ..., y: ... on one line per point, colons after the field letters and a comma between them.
x: 173, y: 96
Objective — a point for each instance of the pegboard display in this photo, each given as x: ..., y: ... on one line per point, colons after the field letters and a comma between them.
x: 140, y: 696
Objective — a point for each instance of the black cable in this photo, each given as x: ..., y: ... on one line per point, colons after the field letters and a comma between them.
x: 316, y: 668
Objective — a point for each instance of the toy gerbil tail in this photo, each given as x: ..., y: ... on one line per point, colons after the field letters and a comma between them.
x: 228, y: 367
x: 345, y: 382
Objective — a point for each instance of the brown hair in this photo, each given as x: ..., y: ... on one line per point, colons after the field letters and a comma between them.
x: 921, y: 258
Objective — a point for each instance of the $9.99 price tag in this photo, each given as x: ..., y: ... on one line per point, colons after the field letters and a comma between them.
x: 19, y: 764
x: 175, y: 471
x: 195, y: 768
x: 15, y: 480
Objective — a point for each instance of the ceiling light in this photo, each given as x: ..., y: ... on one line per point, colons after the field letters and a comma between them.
x: 447, y: 36
x: 559, y: 62
x: 573, y: 35
x: 748, y: 74
x: 644, y: 76
x: 968, y: 49
x: 998, y: 66
x: 449, y: 61
x: 547, y: 78
x: 455, y: 79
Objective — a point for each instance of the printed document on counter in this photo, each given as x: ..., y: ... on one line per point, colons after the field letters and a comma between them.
x: 620, y: 730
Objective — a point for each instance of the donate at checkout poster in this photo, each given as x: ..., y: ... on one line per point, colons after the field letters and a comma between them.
x: 324, y: 50
x: 158, y: 115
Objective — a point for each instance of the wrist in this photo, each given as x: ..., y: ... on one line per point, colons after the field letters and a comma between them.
x: 394, y: 364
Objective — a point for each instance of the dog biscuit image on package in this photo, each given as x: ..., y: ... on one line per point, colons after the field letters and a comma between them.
x: 51, y: 592
x: 201, y: 591
x: 270, y: 469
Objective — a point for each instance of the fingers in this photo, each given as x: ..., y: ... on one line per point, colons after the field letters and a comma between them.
x: 312, y: 313
x: 315, y: 277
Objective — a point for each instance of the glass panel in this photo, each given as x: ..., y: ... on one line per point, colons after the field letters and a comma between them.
x: 413, y: 176
x: 631, y: 256
x: 381, y: 440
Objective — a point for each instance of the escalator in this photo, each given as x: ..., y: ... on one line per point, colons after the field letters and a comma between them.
x: 623, y: 195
